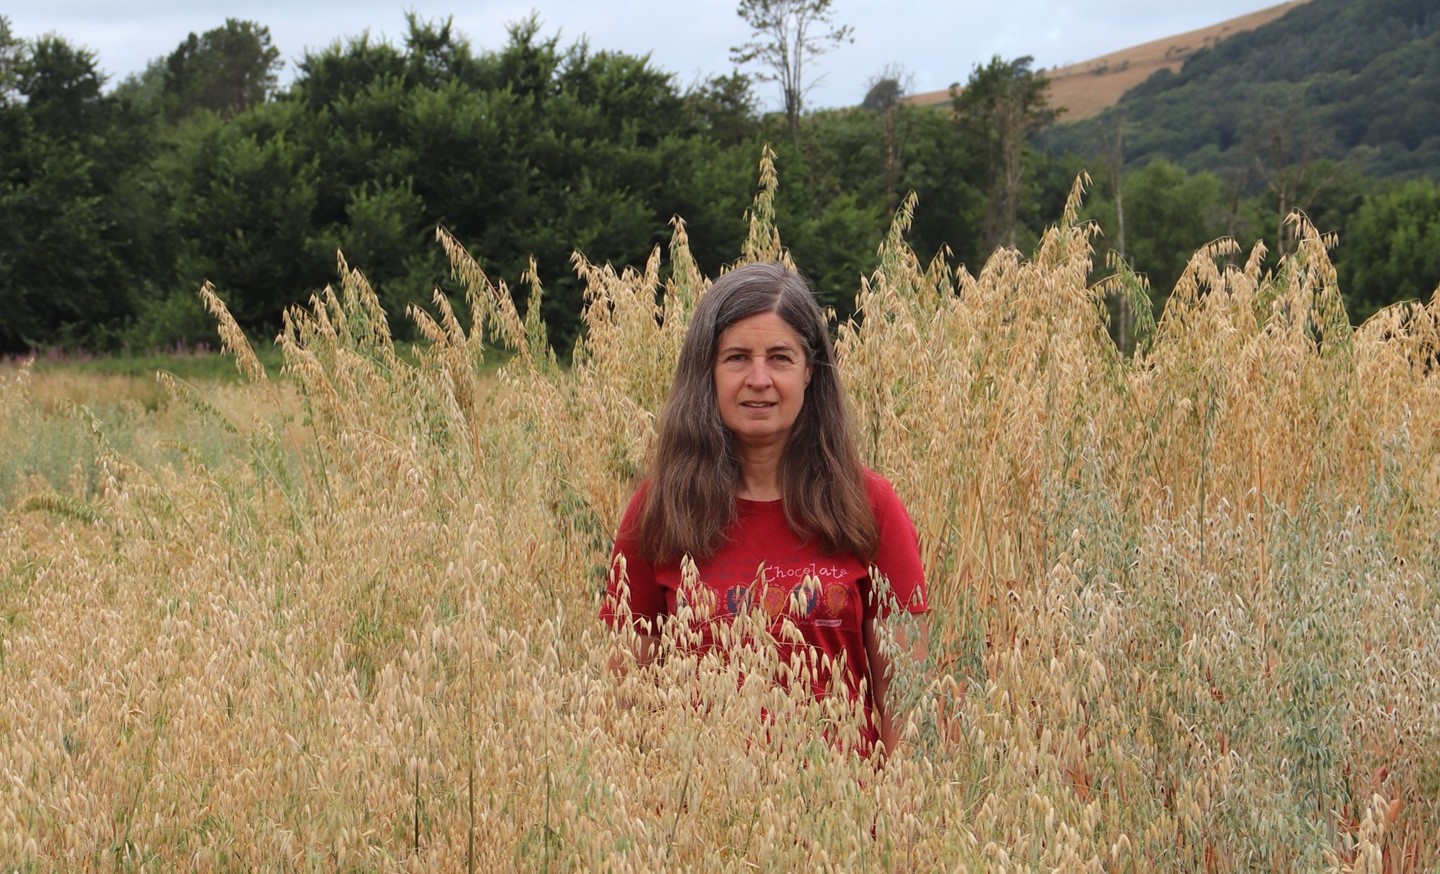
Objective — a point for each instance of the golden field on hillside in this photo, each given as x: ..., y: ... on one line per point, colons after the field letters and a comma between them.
x: 1087, y: 88
x: 1185, y: 609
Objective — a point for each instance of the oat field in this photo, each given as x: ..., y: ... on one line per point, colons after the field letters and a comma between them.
x: 1185, y: 609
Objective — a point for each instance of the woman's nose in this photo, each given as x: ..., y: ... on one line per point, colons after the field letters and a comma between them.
x: 758, y: 375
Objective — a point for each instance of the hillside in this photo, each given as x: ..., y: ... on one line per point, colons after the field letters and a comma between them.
x: 1349, y: 81
x: 1086, y: 89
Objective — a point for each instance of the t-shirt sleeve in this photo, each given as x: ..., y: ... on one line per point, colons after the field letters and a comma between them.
x: 898, y: 556
x: 645, y: 597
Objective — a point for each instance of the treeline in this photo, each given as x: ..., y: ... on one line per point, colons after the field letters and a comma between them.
x: 116, y: 206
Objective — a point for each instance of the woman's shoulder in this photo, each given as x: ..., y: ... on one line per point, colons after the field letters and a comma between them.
x: 877, y: 486
x: 642, y: 489
x: 885, y: 502
x: 630, y: 518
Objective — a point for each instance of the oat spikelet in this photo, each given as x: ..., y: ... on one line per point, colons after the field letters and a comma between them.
x: 232, y: 339
x: 763, y: 241
x: 491, y: 303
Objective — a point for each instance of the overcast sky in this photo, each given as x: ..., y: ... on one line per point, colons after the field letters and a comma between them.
x: 936, y: 42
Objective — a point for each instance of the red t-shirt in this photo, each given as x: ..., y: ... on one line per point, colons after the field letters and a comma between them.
x: 829, y: 616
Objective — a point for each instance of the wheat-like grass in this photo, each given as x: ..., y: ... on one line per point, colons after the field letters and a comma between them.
x: 1184, y: 610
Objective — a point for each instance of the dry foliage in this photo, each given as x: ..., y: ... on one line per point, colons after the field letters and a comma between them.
x: 1185, y: 606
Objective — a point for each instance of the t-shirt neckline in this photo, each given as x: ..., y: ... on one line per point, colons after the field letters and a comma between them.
x: 748, y: 504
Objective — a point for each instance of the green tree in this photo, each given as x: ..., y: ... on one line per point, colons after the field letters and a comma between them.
x: 1284, y: 144
x: 950, y: 212
x: 885, y: 97
x: 724, y: 109
x: 75, y: 245
x: 13, y: 121
x: 434, y: 52
x: 12, y: 54
x: 244, y: 203
x: 51, y: 249
x: 61, y: 88
x: 384, y: 231
x: 535, y: 150
x: 787, y: 35
x: 1391, y: 248
x: 227, y: 70
x: 145, y: 89
x: 1169, y: 214
x: 830, y: 204
x: 344, y: 69
x: 1002, y: 106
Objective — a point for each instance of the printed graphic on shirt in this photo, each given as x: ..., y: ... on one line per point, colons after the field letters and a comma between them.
x: 737, y: 599
x: 804, y: 597
x: 837, y: 599
x: 823, y: 594
x: 698, y: 597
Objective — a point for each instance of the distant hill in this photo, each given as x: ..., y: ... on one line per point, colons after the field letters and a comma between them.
x: 1348, y: 80
x: 1089, y: 87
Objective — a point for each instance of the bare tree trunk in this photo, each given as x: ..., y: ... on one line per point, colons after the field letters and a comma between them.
x: 792, y: 115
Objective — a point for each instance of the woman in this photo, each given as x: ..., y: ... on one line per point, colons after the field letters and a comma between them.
x: 757, y: 479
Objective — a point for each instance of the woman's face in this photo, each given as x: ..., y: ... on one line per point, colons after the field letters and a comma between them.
x: 760, y: 377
